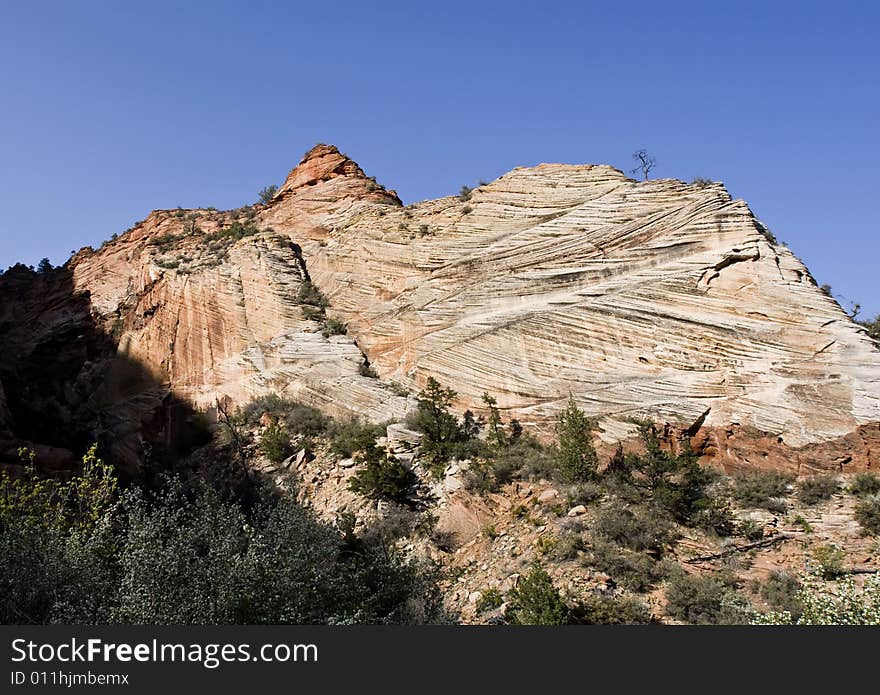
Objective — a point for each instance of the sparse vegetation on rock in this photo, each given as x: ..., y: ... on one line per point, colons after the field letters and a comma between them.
x: 266, y: 194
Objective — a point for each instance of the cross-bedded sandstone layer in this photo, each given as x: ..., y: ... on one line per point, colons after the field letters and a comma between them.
x: 653, y: 299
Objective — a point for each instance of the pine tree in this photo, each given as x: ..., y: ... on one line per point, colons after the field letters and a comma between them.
x: 440, y: 427
x: 577, y: 459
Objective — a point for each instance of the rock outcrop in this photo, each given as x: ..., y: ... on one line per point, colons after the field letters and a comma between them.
x: 653, y: 299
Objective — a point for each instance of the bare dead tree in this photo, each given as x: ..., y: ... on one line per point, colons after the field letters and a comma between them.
x: 645, y: 162
x: 232, y: 428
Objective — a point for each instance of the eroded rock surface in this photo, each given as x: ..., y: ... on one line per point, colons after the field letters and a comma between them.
x: 651, y: 299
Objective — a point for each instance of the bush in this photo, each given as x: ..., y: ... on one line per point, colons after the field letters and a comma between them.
x: 489, y: 600
x: 675, y: 482
x: 298, y: 418
x: 567, y: 546
x: 465, y: 193
x: 829, y: 560
x: 367, y: 370
x: 535, y: 601
x: 716, y: 516
x: 348, y: 436
x: 760, y: 489
x: 868, y: 515
x: 635, y: 571
x: 275, y: 443
x: 381, y: 476
x: 577, y: 460
x: 781, y: 590
x: 843, y: 603
x: 583, y: 493
x: 639, y: 529
x: 704, y: 600
x: 266, y: 195
x: 865, y: 484
x: 235, y: 232
x: 751, y: 529
x: 184, y: 555
x: 520, y: 457
x: 333, y: 327
x: 817, y: 489
x: 312, y: 313
x: 611, y: 610
x: 310, y: 295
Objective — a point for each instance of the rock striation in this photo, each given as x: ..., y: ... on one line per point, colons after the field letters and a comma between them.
x: 653, y: 299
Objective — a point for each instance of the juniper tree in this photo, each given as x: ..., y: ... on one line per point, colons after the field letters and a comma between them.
x: 577, y: 460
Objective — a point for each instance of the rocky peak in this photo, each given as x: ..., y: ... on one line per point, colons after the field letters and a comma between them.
x: 325, y: 163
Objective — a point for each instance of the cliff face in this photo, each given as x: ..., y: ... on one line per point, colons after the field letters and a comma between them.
x: 642, y: 299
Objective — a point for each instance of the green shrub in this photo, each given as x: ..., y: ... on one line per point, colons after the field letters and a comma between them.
x: 497, y: 466
x: 265, y: 196
x: 162, y: 240
x: 489, y: 600
x: 381, y: 476
x: 333, y: 327
x: 584, y: 493
x: 186, y: 555
x: 297, y: 417
x: 234, y: 232
x: 868, y: 515
x: 781, y: 590
x: 465, y: 193
x: 674, y: 481
x: 312, y: 313
x: 535, y: 461
x: 760, y: 489
x: 275, y: 443
x: 865, y: 484
x: 310, y: 295
x: 636, y: 571
x: 640, y: 529
x: 535, y: 601
x: 803, y: 523
x: 817, y: 489
x: 829, y: 560
x: 611, y: 610
x: 704, y: 600
x: 714, y: 515
x: 568, y: 545
x: 348, y: 436
x: 751, y: 530
x: 842, y: 603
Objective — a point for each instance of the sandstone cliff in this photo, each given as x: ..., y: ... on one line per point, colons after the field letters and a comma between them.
x: 649, y: 299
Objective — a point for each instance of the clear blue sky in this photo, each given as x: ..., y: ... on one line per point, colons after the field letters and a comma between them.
x: 112, y: 109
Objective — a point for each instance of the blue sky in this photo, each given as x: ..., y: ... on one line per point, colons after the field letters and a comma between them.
x: 112, y: 109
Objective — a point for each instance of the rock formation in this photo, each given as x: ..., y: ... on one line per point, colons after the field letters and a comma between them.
x: 653, y: 299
